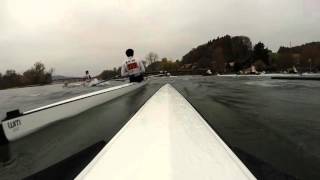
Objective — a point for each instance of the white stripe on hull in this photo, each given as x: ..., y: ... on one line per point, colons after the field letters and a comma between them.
x: 33, y: 120
x: 166, y: 139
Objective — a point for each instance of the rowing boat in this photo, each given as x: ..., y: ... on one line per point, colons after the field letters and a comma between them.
x: 92, y: 83
x: 17, y: 125
x: 166, y: 139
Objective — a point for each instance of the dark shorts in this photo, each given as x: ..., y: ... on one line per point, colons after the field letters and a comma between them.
x: 136, y: 78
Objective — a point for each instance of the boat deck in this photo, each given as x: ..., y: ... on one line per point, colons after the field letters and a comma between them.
x: 166, y: 139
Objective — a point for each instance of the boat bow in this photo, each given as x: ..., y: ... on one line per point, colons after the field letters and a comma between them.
x: 166, y: 139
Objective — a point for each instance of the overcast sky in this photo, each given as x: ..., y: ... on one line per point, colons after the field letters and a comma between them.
x: 77, y: 35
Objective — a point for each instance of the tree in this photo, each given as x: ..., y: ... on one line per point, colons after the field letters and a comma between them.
x: 285, y: 61
x: 1, y: 81
x: 10, y: 79
x: 260, y: 65
x: 164, y: 60
x: 34, y: 75
x: 109, y: 74
x: 168, y: 65
x: 37, y: 74
x: 156, y: 66
x: 152, y: 57
x: 261, y: 53
x: 144, y: 63
x: 39, y: 67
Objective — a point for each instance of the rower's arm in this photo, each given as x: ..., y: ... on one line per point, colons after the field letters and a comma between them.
x: 124, y: 71
x: 142, y: 68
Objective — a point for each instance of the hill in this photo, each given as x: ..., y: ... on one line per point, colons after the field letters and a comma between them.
x: 305, y: 57
x: 220, y: 54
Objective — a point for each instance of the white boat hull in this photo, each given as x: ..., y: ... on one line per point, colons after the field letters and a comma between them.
x: 166, y: 139
x: 33, y: 120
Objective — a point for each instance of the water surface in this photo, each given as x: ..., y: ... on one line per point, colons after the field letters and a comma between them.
x: 272, y: 125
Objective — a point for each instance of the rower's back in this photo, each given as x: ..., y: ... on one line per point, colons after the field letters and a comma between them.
x: 132, y: 67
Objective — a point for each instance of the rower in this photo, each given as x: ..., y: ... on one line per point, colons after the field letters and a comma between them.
x: 87, y: 77
x: 132, y: 67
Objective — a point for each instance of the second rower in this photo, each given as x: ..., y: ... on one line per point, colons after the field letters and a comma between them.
x: 133, y: 68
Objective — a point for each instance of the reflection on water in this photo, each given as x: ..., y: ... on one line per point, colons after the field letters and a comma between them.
x: 272, y: 125
x: 5, y: 157
x: 73, y: 164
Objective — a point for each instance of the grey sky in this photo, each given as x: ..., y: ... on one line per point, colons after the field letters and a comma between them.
x: 75, y: 35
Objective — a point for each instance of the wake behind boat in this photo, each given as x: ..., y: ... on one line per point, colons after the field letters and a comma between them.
x: 166, y: 139
x: 17, y: 125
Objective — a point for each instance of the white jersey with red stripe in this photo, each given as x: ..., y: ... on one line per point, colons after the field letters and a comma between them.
x: 132, y: 67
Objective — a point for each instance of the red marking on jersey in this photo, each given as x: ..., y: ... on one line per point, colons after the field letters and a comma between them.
x: 133, y: 65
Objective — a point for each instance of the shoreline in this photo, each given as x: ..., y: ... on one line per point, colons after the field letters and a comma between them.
x: 303, y: 76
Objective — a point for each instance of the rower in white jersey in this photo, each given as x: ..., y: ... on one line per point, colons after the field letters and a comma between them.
x: 133, y: 68
x: 87, y: 77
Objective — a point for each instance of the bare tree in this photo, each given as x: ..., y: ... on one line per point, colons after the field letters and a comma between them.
x: 152, y: 57
x: 144, y: 63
